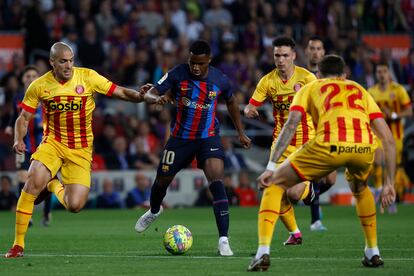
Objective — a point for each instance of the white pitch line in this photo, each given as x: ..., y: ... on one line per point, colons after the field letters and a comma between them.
x: 197, y: 257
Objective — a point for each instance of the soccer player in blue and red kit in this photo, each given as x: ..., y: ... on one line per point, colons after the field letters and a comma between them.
x: 32, y: 139
x: 195, y: 88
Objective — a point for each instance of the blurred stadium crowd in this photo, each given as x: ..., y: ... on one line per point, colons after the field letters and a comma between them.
x: 136, y: 41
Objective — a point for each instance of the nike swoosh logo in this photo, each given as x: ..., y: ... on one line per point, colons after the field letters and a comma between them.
x: 270, y: 221
x: 214, y: 149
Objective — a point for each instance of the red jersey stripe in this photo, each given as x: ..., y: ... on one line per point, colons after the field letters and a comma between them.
x: 357, y: 130
x: 341, y: 129
x: 398, y: 128
x: 327, y: 132
x: 27, y: 108
x: 374, y: 116
x: 305, y: 129
x: 56, y: 122
x: 184, y: 86
x: 254, y: 102
x: 46, y: 122
x: 111, y: 90
x: 197, y: 116
x: 82, y: 124
x: 69, y: 126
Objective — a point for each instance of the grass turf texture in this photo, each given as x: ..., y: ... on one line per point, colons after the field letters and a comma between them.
x: 103, y: 242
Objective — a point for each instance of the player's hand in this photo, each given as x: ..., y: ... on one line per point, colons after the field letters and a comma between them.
x: 250, y: 111
x: 245, y: 141
x: 264, y: 180
x: 165, y: 99
x: 145, y: 88
x: 8, y: 130
x: 19, y: 147
x: 387, y: 196
x: 151, y: 98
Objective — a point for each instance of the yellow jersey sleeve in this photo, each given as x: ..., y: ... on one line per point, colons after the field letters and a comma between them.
x: 100, y: 84
x: 31, y: 98
x: 403, y: 97
x: 260, y: 93
x: 373, y: 109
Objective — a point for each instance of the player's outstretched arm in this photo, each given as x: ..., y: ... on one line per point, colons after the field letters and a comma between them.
x: 381, y: 129
x: 20, y: 131
x: 128, y: 94
x: 233, y: 108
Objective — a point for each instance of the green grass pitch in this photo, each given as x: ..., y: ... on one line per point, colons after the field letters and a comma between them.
x: 103, y: 242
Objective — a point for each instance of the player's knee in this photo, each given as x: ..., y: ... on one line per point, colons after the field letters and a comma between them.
x: 75, y: 206
x: 293, y: 194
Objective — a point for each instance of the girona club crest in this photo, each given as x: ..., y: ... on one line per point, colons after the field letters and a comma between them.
x: 79, y: 89
x: 297, y: 87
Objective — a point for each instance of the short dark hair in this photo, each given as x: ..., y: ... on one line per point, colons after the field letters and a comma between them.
x: 317, y: 38
x: 332, y: 65
x: 200, y: 47
x: 7, y: 178
x: 284, y: 41
x: 30, y: 67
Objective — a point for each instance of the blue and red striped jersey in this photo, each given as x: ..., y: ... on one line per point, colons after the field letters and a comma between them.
x: 35, y: 128
x: 196, y: 100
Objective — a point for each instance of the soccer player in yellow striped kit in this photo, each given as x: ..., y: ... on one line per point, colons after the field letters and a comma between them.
x: 346, y: 118
x: 66, y: 93
x: 395, y: 104
x: 280, y: 86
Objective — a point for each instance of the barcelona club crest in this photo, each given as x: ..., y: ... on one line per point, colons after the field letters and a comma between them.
x: 212, y: 95
x: 79, y: 89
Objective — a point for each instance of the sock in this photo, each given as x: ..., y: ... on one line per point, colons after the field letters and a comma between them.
x: 47, y: 207
x: 365, y: 208
x: 24, y: 213
x: 377, y: 177
x: 314, y: 207
x: 158, y: 192
x: 287, y: 216
x: 58, y: 189
x: 269, y: 213
x: 322, y: 187
x: 262, y: 249
x: 220, y: 207
x: 371, y: 252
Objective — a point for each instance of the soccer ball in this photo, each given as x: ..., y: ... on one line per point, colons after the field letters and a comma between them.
x: 178, y: 239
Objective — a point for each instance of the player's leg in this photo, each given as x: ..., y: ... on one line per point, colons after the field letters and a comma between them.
x: 47, y: 208
x: 320, y: 187
x: 357, y: 175
x: 287, y: 216
x: 177, y: 154
x: 37, y: 179
x: 210, y: 156
x: 269, y: 213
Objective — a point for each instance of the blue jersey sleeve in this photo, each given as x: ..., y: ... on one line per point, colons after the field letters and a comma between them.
x: 227, y: 90
x: 168, y: 81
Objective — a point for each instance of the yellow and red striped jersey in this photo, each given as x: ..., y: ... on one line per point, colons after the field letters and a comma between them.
x: 340, y: 109
x: 395, y: 98
x: 280, y: 93
x: 67, y: 106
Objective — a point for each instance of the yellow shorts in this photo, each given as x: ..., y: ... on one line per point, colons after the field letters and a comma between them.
x: 317, y: 159
x: 289, y: 150
x: 74, y: 164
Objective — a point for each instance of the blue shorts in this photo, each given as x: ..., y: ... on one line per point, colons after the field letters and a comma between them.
x: 178, y: 153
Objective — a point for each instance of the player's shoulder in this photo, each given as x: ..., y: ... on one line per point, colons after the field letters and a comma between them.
x: 83, y: 71
x: 43, y: 80
x: 303, y: 70
x: 397, y: 86
x: 218, y: 76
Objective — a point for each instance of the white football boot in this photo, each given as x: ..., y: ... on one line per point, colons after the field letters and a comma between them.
x: 146, y: 219
x: 224, y: 247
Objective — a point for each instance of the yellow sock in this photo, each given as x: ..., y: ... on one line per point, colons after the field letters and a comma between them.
x: 365, y: 208
x: 58, y: 189
x: 24, y: 213
x: 287, y: 216
x: 269, y: 213
x: 377, y: 177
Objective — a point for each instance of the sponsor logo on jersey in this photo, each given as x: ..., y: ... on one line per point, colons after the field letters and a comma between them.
x: 283, y: 106
x: 79, y: 89
x: 189, y: 103
x: 165, y: 168
x: 350, y: 149
x: 69, y: 106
